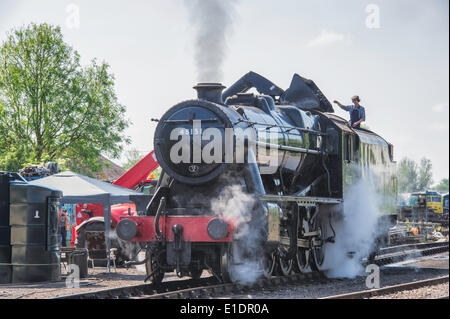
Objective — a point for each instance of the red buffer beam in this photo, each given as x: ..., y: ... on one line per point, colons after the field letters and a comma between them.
x: 138, y: 172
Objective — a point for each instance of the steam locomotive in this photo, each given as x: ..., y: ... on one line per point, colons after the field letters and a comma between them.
x: 254, y: 182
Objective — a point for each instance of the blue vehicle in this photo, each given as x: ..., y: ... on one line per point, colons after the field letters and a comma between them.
x: 445, y: 206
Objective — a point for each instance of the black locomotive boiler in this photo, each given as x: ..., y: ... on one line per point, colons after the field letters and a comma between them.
x: 253, y: 179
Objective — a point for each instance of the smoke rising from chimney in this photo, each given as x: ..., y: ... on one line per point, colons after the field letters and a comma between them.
x: 212, y: 21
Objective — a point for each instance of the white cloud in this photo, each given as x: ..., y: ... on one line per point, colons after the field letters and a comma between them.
x: 328, y: 37
x: 439, y: 108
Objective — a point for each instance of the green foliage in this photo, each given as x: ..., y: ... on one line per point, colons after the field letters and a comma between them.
x: 52, y: 108
x: 132, y: 157
x: 413, y: 177
x: 407, y: 175
x: 442, y: 186
x: 425, y: 174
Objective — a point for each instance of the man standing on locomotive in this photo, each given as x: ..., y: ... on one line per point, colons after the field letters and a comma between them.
x: 357, y: 112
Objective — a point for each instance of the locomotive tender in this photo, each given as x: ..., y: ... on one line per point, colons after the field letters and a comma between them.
x: 254, y: 179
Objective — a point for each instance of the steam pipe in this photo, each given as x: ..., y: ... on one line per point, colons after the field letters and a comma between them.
x: 161, y: 208
x: 255, y: 186
x: 288, y: 148
x: 252, y: 175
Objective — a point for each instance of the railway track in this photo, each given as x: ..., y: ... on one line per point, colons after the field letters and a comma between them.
x: 136, y: 291
x: 209, y: 287
x: 233, y: 288
x: 419, y: 246
x: 194, y: 289
x: 392, y: 289
x: 394, y: 255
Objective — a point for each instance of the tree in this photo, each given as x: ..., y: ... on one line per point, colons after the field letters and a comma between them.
x: 132, y: 157
x: 442, y: 186
x: 425, y: 174
x: 407, y: 175
x: 413, y: 177
x: 52, y: 108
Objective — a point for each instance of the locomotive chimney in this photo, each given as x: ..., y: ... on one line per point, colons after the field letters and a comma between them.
x: 211, y: 92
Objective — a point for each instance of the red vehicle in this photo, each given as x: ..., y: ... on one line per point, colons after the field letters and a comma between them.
x: 89, y: 217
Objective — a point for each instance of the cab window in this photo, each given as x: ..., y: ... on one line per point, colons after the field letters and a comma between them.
x: 436, y: 199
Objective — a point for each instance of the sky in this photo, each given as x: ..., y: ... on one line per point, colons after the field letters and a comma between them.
x: 394, y: 54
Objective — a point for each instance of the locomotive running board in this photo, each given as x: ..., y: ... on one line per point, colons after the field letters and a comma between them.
x: 301, y: 199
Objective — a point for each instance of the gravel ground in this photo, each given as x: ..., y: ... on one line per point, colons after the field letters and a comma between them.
x: 401, y: 273
x: 431, y: 292
x: 98, y: 279
x: 391, y: 275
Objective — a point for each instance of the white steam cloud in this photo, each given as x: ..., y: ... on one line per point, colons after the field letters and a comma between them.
x: 357, y: 230
x: 212, y: 21
x: 233, y: 203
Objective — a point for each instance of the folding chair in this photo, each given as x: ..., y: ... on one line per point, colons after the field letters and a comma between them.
x: 65, y: 253
x: 97, y: 250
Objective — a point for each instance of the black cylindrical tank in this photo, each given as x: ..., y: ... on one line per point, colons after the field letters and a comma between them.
x: 35, y: 253
x: 80, y: 258
x: 5, y: 234
x: 189, y: 132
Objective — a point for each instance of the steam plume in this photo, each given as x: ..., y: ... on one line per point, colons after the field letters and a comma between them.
x: 358, y: 229
x: 235, y: 204
x: 212, y: 20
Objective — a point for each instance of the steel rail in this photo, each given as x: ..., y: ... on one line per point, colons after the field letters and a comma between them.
x: 390, y: 289
x: 223, y: 289
x: 208, y: 287
x: 236, y: 288
x: 404, y: 247
x: 141, y: 289
x: 201, y: 288
x: 398, y: 257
